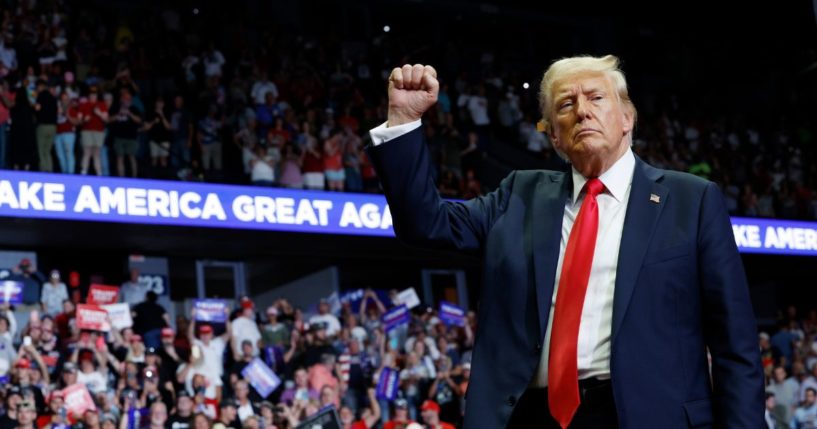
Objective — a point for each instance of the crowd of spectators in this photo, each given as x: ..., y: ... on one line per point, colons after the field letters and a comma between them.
x: 84, y: 93
x: 789, y: 357
x: 183, y: 373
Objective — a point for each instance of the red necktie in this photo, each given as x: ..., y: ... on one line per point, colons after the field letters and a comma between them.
x: 563, y: 374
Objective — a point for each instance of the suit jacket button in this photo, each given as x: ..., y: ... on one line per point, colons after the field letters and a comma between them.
x: 511, y: 400
x: 538, y: 347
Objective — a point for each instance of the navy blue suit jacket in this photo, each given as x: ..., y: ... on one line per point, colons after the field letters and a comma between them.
x: 680, y: 289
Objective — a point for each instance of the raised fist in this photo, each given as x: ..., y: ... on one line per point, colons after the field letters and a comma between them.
x: 412, y: 91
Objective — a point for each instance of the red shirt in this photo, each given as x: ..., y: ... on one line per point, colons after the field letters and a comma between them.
x: 360, y: 424
x: 66, y: 126
x: 312, y: 163
x: 87, y: 110
x: 333, y: 161
x: 394, y: 424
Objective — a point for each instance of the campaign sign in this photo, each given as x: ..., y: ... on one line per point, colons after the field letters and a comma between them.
x: 78, y: 400
x: 452, y: 315
x: 395, y: 317
x: 261, y: 377
x: 326, y: 418
x: 92, y: 317
x: 210, y: 310
x: 408, y: 297
x: 120, y: 315
x: 11, y: 292
x: 388, y: 384
x: 103, y: 294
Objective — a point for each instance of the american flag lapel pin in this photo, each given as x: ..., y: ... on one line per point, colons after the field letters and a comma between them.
x: 655, y: 198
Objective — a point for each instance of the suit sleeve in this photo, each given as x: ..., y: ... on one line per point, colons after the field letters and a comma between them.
x: 730, y: 328
x: 420, y: 216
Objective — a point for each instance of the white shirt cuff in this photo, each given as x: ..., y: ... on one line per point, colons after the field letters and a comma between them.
x: 382, y: 133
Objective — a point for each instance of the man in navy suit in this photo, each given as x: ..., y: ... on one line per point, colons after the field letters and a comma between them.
x: 603, y: 288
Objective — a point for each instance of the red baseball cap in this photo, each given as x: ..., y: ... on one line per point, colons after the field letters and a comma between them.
x: 56, y: 394
x: 205, y: 329
x: 428, y: 404
x: 168, y: 332
x: 23, y: 363
x: 247, y: 303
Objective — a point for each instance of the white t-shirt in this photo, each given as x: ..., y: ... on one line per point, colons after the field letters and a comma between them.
x: 246, y: 329
x: 477, y: 106
x: 212, y: 355
x: 95, y: 381
x: 212, y: 381
x: 212, y: 63
x: 332, y: 323
x: 261, y: 88
x: 245, y: 411
x: 261, y: 170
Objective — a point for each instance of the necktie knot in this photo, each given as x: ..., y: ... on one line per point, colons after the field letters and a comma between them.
x: 593, y: 187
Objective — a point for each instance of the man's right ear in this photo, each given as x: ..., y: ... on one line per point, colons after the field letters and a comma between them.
x: 544, y: 127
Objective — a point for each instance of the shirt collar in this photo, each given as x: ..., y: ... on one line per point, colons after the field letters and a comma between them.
x: 616, y: 179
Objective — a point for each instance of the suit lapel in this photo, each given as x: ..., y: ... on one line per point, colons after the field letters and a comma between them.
x: 548, y: 212
x: 647, y: 199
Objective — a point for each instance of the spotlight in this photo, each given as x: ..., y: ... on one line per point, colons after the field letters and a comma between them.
x: 386, y: 28
x: 525, y: 85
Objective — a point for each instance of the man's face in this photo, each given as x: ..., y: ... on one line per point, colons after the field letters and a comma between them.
x: 588, y: 120
x: 158, y: 415
x: 241, y: 391
x: 184, y: 405
x: 323, y: 308
x: 771, y: 403
x: 779, y: 374
x: 431, y: 417
x: 326, y: 396
x: 228, y: 414
x: 346, y: 416
x: 810, y: 397
x: 301, y: 378
x: 26, y: 415
x: 401, y: 414
x: 56, y: 404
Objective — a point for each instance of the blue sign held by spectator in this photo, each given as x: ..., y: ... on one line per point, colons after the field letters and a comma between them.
x: 388, y: 384
x: 395, y: 317
x: 11, y: 292
x: 451, y: 314
x: 210, y: 310
x: 261, y: 377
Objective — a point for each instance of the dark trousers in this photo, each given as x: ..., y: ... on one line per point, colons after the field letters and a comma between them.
x: 597, y: 409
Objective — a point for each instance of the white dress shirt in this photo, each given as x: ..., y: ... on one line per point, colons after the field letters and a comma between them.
x: 595, y: 328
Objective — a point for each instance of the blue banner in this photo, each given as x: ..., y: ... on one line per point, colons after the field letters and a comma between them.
x: 210, y: 310
x: 155, y: 202
x: 388, y: 384
x: 395, y: 317
x: 452, y: 315
x: 355, y: 297
x: 261, y: 377
x: 11, y: 292
x: 780, y: 237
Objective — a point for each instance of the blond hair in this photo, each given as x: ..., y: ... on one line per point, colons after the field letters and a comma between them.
x: 608, y: 65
